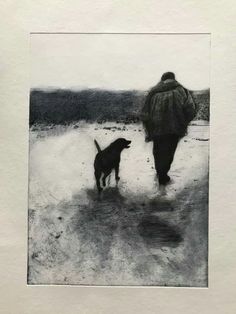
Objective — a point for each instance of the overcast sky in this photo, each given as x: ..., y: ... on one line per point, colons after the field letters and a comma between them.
x: 118, y: 61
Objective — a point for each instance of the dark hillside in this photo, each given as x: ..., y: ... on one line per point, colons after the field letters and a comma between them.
x: 66, y: 106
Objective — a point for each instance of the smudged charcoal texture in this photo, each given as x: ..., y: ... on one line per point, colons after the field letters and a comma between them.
x: 127, y: 236
x: 158, y: 233
x: 65, y: 106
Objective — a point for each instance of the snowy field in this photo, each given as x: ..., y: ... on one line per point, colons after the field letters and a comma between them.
x: 128, y: 237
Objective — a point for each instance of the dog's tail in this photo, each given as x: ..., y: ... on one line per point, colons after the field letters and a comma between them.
x: 97, y: 145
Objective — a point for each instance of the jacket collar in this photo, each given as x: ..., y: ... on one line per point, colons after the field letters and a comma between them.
x: 165, y: 86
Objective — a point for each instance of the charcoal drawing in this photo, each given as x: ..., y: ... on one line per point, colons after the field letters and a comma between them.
x: 119, y: 160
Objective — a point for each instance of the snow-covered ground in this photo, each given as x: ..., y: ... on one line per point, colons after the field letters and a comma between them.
x: 126, y: 237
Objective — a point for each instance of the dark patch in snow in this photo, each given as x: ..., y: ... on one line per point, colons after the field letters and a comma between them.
x: 158, y: 233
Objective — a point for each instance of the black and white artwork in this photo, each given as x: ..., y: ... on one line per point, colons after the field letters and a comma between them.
x: 119, y: 159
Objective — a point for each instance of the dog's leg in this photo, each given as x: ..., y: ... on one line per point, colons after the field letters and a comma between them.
x: 109, y: 179
x: 97, y: 174
x: 117, y: 174
x: 106, y: 174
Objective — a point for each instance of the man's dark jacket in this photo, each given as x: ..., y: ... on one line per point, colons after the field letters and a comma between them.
x: 168, y: 109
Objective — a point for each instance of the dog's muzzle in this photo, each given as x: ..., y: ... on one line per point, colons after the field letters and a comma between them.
x: 128, y: 144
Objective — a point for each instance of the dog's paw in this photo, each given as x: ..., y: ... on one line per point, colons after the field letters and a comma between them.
x: 100, y: 190
x: 117, y: 180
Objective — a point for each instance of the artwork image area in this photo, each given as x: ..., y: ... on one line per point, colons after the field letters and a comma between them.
x: 119, y: 160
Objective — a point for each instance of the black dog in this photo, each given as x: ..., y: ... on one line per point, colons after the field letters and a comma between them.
x: 108, y: 159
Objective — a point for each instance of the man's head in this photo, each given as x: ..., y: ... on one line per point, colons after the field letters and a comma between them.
x: 168, y: 76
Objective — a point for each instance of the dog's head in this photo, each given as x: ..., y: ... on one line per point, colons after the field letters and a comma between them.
x: 121, y: 143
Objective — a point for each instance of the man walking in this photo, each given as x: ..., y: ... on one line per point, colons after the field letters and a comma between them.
x: 167, y: 111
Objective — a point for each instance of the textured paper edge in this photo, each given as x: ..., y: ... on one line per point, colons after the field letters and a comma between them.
x: 18, y: 20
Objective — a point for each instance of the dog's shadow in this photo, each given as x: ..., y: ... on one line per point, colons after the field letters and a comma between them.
x: 110, y: 194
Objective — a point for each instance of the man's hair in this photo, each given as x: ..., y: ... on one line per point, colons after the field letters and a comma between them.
x: 168, y: 76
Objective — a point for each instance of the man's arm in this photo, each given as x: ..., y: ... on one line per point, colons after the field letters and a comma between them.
x: 145, y: 115
x: 189, y: 107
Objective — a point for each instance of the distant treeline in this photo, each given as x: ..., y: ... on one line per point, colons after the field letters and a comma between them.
x: 66, y: 106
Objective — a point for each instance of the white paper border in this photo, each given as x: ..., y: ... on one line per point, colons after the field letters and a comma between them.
x: 21, y: 18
